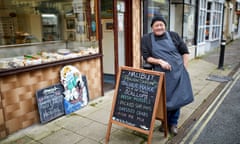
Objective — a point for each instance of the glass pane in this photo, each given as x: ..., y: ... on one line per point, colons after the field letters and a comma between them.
x: 39, y: 21
x: 189, y: 24
x: 207, y: 33
x: 194, y: 2
x: 160, y: 7
x: 34, y: 32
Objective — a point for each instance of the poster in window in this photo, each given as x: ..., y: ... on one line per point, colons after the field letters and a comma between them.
x: 81, y: 17
x: 80, y: 29
x: 79, y: 7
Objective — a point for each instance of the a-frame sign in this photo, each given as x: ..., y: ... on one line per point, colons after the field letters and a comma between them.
x: 139, y: 99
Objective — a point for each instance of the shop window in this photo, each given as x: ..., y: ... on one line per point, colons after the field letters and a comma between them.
x: 183, y: 20
x: 202, y: 22
x: 213, y: 21
x: 45, y: 20
x: 208, y: 20
x: 189, y: 24
x: 70, y: 26
x: 216, y: 17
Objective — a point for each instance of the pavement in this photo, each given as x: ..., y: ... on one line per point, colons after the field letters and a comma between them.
x: 89, y: 124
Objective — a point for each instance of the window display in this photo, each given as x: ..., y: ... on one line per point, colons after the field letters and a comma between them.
x: 35, y: 32
x: 42, y: 57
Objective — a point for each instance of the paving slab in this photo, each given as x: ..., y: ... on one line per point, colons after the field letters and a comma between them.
x: 73, y: 122
x: 101, y: 116
x: 62, y: 136
x: 95, y: 131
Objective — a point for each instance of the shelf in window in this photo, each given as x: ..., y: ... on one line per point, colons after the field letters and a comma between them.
x: 49, y: 32
x: 49, y: 25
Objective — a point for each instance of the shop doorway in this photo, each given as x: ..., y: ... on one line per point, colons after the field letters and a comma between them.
x: 116, y: 42
x: 123, y: 33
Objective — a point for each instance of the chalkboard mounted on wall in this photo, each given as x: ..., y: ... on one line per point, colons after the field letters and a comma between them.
x: 139, y: 99
x: 50, y: 102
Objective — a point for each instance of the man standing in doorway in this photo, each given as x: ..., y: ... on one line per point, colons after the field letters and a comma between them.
x: 167, y: 53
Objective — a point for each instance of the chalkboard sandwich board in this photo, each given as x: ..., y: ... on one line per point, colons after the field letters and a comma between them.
x: 50, y: 102
x: 136, y: 100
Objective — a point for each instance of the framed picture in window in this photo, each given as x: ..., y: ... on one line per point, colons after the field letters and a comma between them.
x: 109, y: 26
x: 71, y: 35
x: 70, y: 23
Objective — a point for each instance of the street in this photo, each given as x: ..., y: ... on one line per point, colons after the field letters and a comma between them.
x: 220, y: 122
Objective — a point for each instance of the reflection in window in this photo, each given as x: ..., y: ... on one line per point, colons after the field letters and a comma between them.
x: 189, y: 24
x: 216, y: 27
x: 202, y: 21
x: 159, y: 8
x: 183, y: 20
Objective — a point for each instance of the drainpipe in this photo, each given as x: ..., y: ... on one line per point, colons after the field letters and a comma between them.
x: 196, y: 30
x: 222, y: 45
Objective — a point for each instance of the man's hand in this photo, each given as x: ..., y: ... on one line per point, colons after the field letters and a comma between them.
x: 165, y: 65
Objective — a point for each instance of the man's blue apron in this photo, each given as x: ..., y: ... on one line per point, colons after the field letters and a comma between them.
x: 178, y: 84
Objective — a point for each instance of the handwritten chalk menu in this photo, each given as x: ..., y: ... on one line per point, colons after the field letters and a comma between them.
x: 136, y: 97
x: 139, y: 99
x: 50, y: 102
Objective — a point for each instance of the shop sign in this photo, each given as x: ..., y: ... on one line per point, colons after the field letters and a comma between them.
x: 75, y: 89
x: 63, y: 98
x: 138, y: 100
